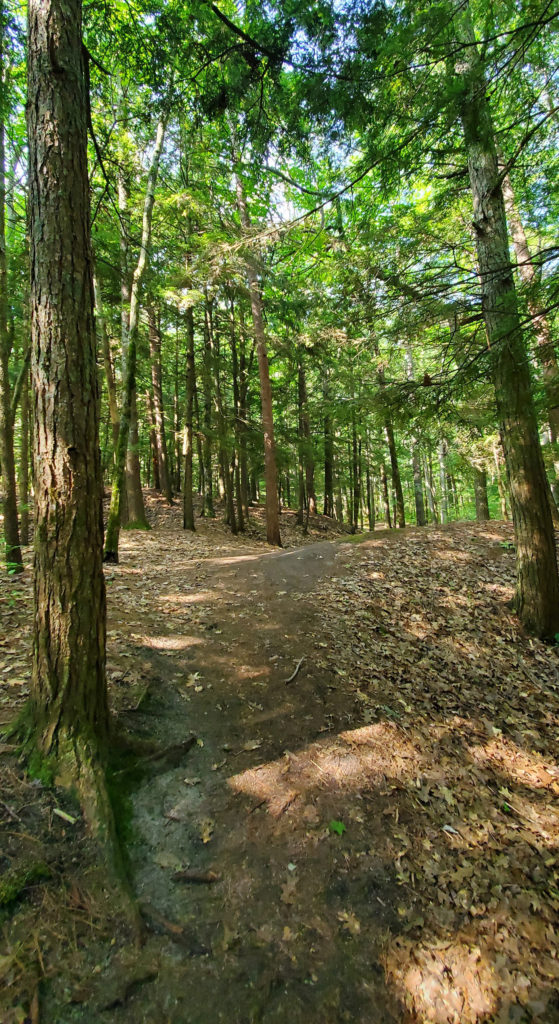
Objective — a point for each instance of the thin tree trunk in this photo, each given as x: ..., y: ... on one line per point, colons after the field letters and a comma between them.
x: 159, y: 416
x: 306, y: 431
x: 356, y: 492
x: 442, y: 481
x: 370, y: 500
x: 113, y: 526
x: 480, y: 493
x: 301, y: 495
x: 270, y: 470
x: 236, y: 468
x: 226, y: 473
x: 176, y: 446
x: 69, y: 695
x: 24, y: 463
x: 153, y: 443
x: 187, y: 503
x: 14, y: 562
x: 136, y: 509
x: 385, y: 498
x: 400, y: 514
x: 108, y: 365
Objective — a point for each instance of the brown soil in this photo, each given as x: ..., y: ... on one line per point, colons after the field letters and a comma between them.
x: 372, y: 842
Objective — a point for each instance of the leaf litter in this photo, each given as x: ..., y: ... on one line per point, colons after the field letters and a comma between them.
x: 424, y: 724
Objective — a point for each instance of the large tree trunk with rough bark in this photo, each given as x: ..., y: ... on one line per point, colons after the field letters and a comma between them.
x: 537, y: 592
x: 68, y: 692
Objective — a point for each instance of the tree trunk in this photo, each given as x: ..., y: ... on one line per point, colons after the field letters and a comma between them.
x: 153, y: 443
x: 545, y: 350
x: 306, y: 431
x: 113, y: 525
x: 176, y: 446
x: 500, y: 486
x: 270, y: 470
x: 356, y: 491
x: 24, y: 462
x: 69, y: 697
x: 14, y: 562
x: 537, y: 592
x: 236, y: 467
x: 400, y: 514
x: 136, y: 509
x: 108, y: 365
x: 429, y: 488
x: 301, y: 495
x: 370, y: 500
x: 442, y: 481
x: 187, y: 504
x: 160, y: 437
x: 480, y: 493
x: 207, y: 498
x: 385, y: 498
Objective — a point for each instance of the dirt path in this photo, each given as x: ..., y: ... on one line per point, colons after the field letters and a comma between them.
x: 275, y: 938
x: 379, y: 838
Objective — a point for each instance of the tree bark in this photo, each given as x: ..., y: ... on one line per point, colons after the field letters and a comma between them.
x: 14, y: 562
x: 24, y: 463
x: 68, y: 690
x: 541, y: 326
x: 108, y: 365
x: 187, y: 503
x: 307, y: 440
x: 441, y: 451
x: 400, y: 515
x: 113, y: 525
x: 420, y: 518
x: 537, y: 591
x: 160, y: 436
x: 270, y: 470
x: 385, y: 498
x: 207, y: 497
x: 480, y: 494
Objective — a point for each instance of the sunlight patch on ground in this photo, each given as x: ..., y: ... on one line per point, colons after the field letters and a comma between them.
x: 197, y: 598
x: 232, y: 560
x: 525, y: 767
x: 171, y: 643
x: 442, y: 983
x: 356, y: 758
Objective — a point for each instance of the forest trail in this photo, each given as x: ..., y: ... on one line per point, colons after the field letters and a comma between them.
x: 378, y: 838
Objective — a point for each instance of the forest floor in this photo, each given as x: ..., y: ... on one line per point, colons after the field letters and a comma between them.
x: 374, y: 839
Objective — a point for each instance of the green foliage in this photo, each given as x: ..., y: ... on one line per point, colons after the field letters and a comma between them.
x: 337, y: 826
